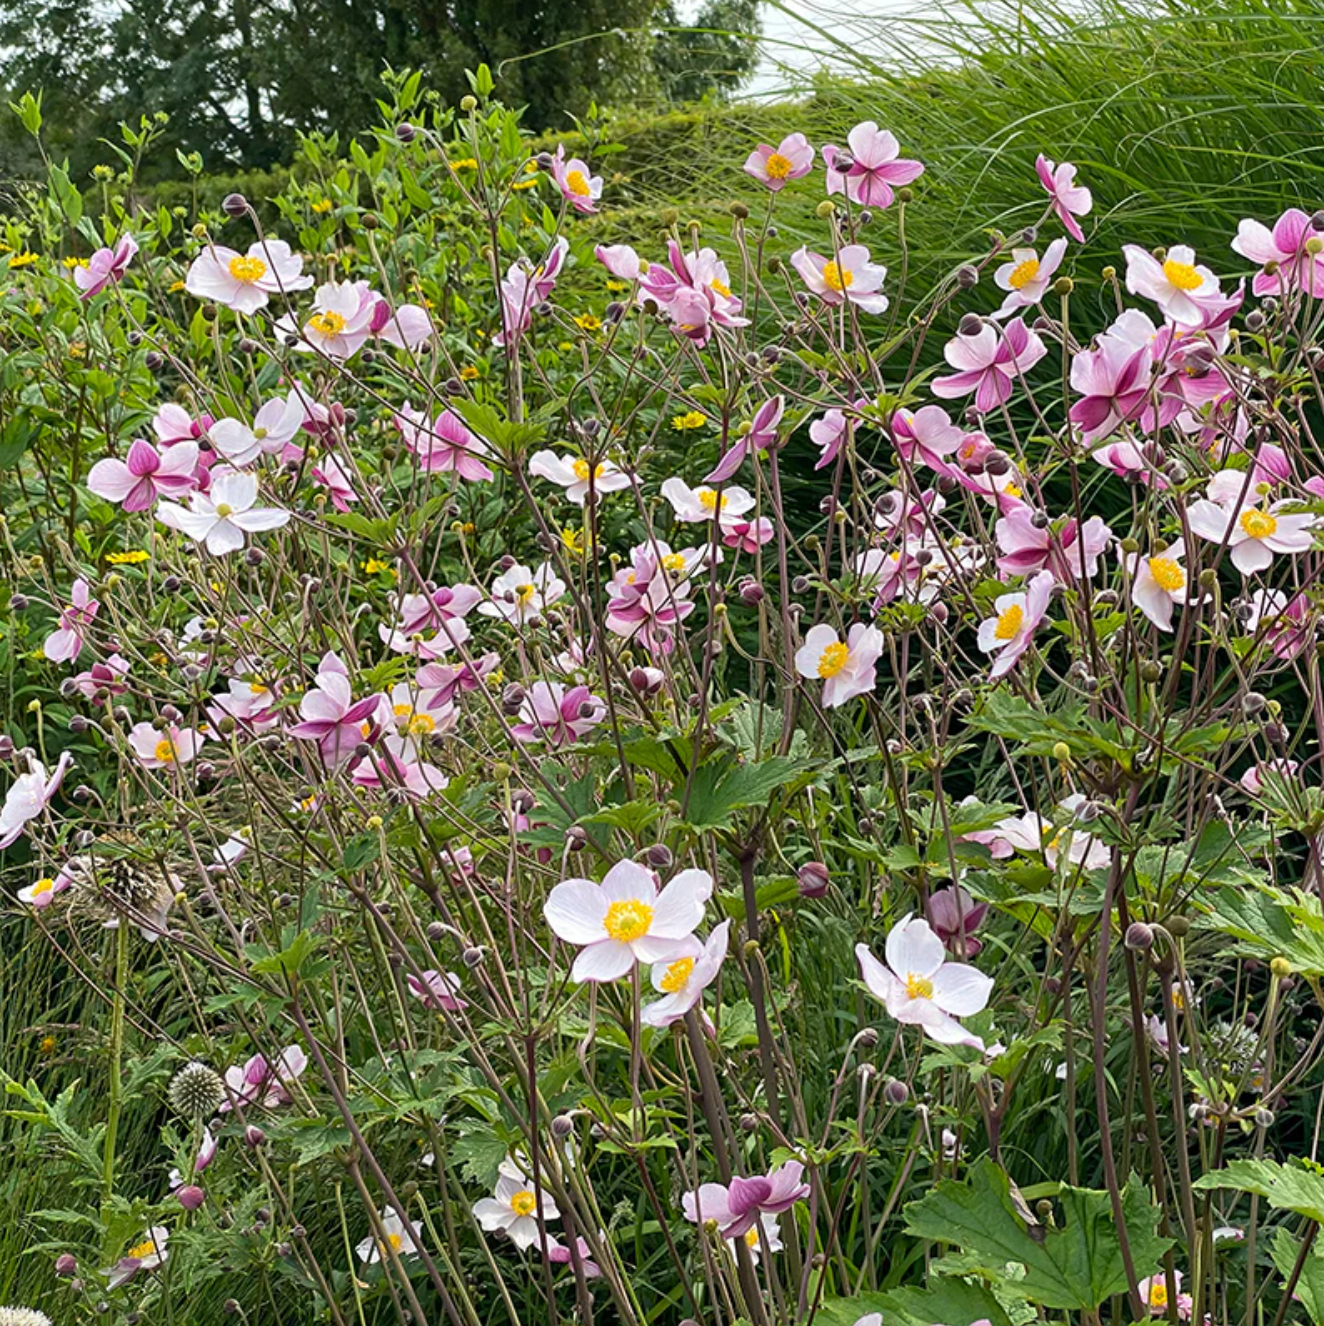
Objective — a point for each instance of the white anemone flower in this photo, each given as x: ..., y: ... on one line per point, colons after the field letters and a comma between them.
x: 919, y: 986
x: 514, y: 1207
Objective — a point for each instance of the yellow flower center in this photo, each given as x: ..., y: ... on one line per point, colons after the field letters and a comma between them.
x: 247, y: 269
x: 1184, y: 276
x: 677, y: 975
x: 837, y: 279
x: 1024, y: 273
x: 1178, y: 999
x: 1013, y: 490
x: 224, y: 509
x: 1258, y: 524
x: 752, y: 1237
x: 918, y: 987
x: 582, y: 471
x: 141, y: 1250
x: 577, y: 184
x: 626, y: 921
x: 42, y: 887
x: 708, y: 499
x: 721, y: 287
x: 674, y: 563
x: 778, y: 166
x: 328, y: 324
x: 393, y: 1241
x: 833, y: 659
x: 1167, y: 574
x: 524, y: 1203
x: 1009, y: 622
x: 525, y: 592
x: 1158, y: 1288
x: 165, y: 751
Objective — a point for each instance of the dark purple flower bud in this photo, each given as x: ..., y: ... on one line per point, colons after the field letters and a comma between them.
x: 234, y: 205
x: 406, y: 133
x: 813, y: 879
x: 254, y: 1136
x: 66, y: 1264
x: 751, y: 592
x: 190, y: 1196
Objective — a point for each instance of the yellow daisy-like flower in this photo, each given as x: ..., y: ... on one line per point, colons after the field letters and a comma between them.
x: 465, y: 163
x: 22, y: 260
x: 468, y: 373
x: 130, y: 557
x: 617, y: 286
x: 524, y: 184
x: 47, y: 1045
x: 574, y: 541
x: 376, y: 565
x: 70, y: 263
x: 588, y: 322
x: 682, y: 423
x: 77, y: 350
x: 531, y: 166
x: 176, y: 287
x: 322, y: 206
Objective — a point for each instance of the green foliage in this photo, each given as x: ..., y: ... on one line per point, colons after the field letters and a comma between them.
x: 1075, y: 1265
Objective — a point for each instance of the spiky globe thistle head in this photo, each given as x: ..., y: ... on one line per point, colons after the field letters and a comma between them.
x: 23, y: 1317
x: 195, y: 1092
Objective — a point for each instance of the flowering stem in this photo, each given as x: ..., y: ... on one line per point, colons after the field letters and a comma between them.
x: 116, y: 1058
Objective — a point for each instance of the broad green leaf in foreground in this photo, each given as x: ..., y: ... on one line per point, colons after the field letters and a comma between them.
x: 1074, y: 1266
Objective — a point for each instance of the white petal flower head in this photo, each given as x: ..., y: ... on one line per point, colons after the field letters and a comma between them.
x: 695, y: 505
x: 683, y: 980
x: 626, y: 920
x: 28, y: 797
x: 846, y: 669
x: 397, y: 1238
x: 918, y: 986
x: 520, y: 594
x: 145, y: 1255
x: 575, y: 475
x: 514, y: 1208
x: 224, y: 517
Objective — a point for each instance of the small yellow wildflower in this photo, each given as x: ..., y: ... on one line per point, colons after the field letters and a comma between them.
x: 376, y: 565
x: 71, y: 262
x: 617, y: 286
x: 573, y: 539
x: 176, y: 287
x: 682, y: 423
x: 524, y: 184
x: 465, y: 163
x: 588, y: 322
x: 130, y: 557
x: 469, y: 372
x: 77, y: 349
x: 531, y: 166
x: 47, y: 1045
x: 24, y: 259
x: 322, y: 206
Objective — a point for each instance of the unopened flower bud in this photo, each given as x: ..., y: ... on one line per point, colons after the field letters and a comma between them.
x: 749, y: 1123
x: 813, y: 879
x: 472, y: 957
x: 18, y: 602
x: 1253, y: 703
x: 660, y: 856
x: 1061, y: 752
x: 970, y: 325
x: 576, y: 838
x: 66, y: 1264
x: 1280, y: 968
x: 254, y: 1136
x: 562, y: 1126
x: 406, y: 133
x: 896, y: 1092
x: 190, y: 1196
x: 234, y: 205
x: 1139, y: 937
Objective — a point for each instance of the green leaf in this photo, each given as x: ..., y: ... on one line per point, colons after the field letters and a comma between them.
x: 1074, y: 1266
x: 1269, y: 923
x: 1282, y: 1186
x: 1310, y: 1286
x: 723, y: 787
x: 478, y: 1152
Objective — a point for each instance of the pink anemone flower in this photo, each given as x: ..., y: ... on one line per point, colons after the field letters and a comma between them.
x: 145, y: 474
x: 578, y: 185
x: 557, y: 716
x: 105, y: 267
x: 762, y: 436
x: 1010, y: 633
x: 448, y: 446
x: 65, y: 643
x: 332, y: 717
x: 988, y: 363
x: 791, y: 159
x: 246, y: 281
x: 1070, y: 199
x: 737, y: 1208
x: 846, y: 669
x: 29, y: 795
x: 1286, y: 263
x: 848, y: 278
x: 875, y: 166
